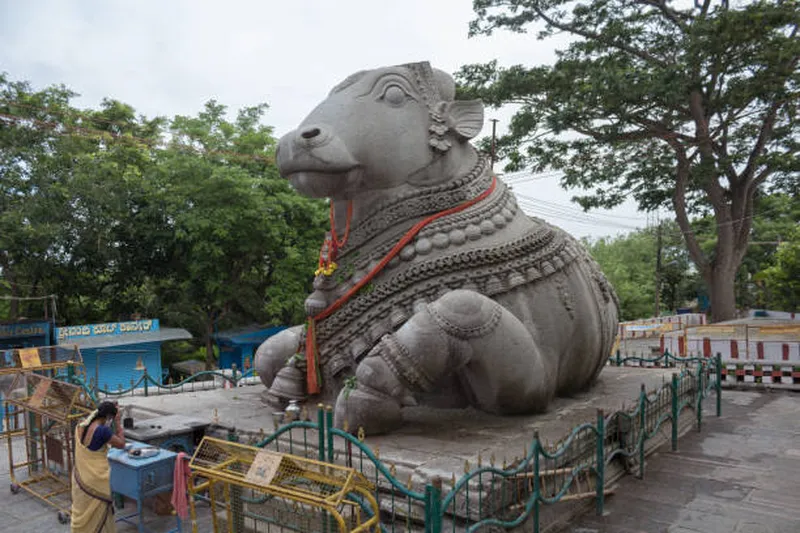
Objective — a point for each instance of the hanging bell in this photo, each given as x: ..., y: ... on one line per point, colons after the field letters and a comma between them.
x: 289, y: 384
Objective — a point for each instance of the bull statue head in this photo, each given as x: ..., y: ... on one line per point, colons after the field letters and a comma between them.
x: 380, y: 130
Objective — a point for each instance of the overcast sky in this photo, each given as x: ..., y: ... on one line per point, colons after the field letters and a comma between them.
x: 169, y: 57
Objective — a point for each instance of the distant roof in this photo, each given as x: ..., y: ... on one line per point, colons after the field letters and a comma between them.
x: 249, y: 334
x: 106, y: 341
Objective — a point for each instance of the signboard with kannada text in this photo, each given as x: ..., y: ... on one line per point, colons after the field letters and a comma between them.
x: 107, y: 329
x: 30, y: 329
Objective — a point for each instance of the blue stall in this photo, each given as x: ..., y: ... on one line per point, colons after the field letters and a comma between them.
x: 25, y: 334
x: 238, y: 345
x: 111, y: 351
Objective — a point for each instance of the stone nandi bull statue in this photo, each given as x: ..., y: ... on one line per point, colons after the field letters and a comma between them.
x: 433, y: 285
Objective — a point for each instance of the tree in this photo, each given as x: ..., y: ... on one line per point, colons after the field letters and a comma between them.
x: 118, y: 214
x: 241, y: 244
x: 782, y: 280
x: 629, y: 262
x: 31, y: 171
x: 69, y: 181
x: 690, y: 105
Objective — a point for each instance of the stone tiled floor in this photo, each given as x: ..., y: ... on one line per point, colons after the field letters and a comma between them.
x: 741, y: 474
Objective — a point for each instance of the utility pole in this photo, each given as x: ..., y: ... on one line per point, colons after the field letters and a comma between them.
x: 494, y: 137
x: 658, y: 269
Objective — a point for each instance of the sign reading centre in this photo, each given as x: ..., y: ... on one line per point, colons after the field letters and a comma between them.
x: 111, y: 328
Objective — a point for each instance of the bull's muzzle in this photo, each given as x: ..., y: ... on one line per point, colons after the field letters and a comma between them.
x: 313, y: 148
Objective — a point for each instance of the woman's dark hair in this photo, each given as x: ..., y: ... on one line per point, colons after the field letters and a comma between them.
x: 106, y: 409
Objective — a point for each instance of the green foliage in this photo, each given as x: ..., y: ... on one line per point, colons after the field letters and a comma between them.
x: 781, y: 281
x: 691, y: 106
x: 185, y: 219
x: 629, y: 263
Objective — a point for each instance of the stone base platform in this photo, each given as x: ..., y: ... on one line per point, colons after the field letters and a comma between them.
x: 432, y: 441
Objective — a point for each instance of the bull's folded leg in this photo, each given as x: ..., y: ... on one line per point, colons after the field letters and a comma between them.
x: 410, y: 360
x: 375, y: 403
x: 462, y: 333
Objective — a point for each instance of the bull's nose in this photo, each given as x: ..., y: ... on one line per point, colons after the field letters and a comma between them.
x: 309, y: 136
x: 310, y: 133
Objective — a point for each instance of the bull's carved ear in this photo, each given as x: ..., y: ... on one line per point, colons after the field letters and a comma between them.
x: 465, y: 118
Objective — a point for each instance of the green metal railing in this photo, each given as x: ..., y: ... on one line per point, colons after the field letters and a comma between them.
x: 147, y: 384
x: 589, y: 449
x: 512, y: 495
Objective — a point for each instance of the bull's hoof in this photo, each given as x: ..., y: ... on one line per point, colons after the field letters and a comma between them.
x: 373, y: 413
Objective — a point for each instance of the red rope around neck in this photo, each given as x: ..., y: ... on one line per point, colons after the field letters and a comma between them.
x: 312, y: 359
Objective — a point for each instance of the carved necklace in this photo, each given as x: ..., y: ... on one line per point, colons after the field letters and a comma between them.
x: 312, y: 353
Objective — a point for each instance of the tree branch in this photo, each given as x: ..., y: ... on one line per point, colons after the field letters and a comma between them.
x: 571, y: 28
x: 723, y: 158
x: 679, y: 203
x: 764, y: 134
x: 671, y: 14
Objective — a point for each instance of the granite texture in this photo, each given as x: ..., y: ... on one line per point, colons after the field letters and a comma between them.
x: 445, y: 292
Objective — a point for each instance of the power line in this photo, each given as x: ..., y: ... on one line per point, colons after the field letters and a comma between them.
x: 570, y: 208
x: 573, y: 217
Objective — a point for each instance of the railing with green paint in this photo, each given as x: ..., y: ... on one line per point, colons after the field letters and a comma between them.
x: 319, y: 439
x: 147, y: 385
x: 508, y: 497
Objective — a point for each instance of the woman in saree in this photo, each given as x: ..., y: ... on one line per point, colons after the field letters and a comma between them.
x: 92, y: 506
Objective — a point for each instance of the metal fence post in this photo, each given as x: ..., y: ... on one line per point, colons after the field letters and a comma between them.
x: 619, y: 358
x: 235, y: 381
x: 146, y: 379
x: 700, y: 370
x: 674, y: 388
x: 719, y: 383
x: 321, y: 431
x: 433, y: 506
x: 325, y: 421
x: 536, y: 481
x: 328, y: 433
x: 642, y: 429
x: 601, y: 462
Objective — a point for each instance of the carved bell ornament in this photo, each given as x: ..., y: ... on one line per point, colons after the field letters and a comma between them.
x: 289, y: 384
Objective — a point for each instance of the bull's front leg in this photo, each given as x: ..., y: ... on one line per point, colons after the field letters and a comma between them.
x: 465, y: 333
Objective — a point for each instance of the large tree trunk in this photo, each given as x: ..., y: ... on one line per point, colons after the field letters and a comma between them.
x: 721, y: 283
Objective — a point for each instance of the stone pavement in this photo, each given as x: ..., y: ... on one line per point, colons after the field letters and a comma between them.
x: 740, y: 475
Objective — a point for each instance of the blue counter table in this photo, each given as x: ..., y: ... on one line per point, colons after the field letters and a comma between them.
x: 141, y: 478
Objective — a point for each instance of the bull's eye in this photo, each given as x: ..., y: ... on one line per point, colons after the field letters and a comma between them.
x: 394, y: 95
